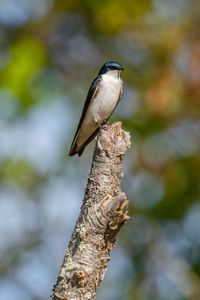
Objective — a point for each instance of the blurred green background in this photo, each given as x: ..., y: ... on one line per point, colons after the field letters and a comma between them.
x: 50, y: 51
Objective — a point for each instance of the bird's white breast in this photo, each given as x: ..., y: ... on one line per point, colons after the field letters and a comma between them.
x: 106, y: 100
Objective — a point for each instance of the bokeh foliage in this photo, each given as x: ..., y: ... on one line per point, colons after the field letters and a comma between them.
x: 50, y: 51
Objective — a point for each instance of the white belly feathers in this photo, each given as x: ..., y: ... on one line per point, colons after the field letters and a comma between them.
x: 106, y: 100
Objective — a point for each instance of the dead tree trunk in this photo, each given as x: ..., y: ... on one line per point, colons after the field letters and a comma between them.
x: 103, y: 212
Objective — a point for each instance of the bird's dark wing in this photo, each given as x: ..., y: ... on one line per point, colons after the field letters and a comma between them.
x: 93, y: 90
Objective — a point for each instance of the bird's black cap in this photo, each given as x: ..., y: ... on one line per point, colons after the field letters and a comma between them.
x: 109, y: 66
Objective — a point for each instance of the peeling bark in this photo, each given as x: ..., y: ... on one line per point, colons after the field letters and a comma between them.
x: 103, y: 212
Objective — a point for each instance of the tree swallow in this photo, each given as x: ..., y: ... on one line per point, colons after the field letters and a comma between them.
x: 103, y: 96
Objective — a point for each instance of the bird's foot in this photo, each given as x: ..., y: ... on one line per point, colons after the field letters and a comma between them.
x: 104, y: 123
x: 97, y: 123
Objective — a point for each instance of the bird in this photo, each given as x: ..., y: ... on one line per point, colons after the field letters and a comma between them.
x: 103, y: 96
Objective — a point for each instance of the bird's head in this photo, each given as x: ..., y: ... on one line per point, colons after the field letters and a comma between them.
x: 110, y: 66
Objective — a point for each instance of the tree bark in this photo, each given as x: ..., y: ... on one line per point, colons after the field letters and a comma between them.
x: 103, y: 212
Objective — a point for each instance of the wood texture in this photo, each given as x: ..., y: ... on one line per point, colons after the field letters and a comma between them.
x: 103, y: 212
